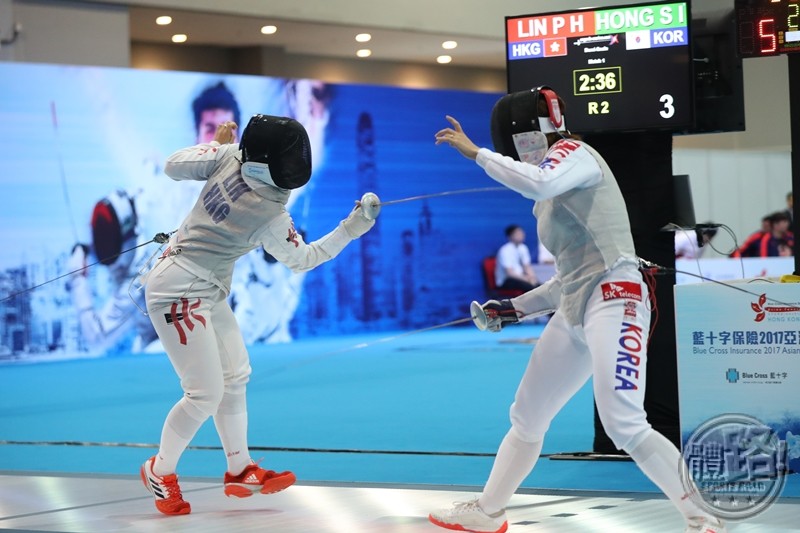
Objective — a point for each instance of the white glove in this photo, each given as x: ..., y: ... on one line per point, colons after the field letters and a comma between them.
x: 356, y: 224
x: 494, y: 315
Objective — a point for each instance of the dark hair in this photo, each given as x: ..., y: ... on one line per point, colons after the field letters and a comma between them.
x: 779, y: 216
x: 511, y: 229
x: 215, y: 97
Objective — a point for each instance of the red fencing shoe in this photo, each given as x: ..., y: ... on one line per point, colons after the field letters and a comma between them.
x: 255, y: 479
x: 165, y: 490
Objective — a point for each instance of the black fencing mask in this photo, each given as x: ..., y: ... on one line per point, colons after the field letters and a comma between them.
x: 276, y: 150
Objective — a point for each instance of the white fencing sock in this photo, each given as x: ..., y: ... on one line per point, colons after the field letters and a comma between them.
x: 231, y: 424
x: 515, y: 460
x: 660, y: 460
x: 179, y: 429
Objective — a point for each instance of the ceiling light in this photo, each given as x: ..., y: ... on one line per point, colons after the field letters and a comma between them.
x: 363, y: 37
x: 449, y: 45
x: 364, y: 52
x: 179, y: 38
x: 269, y: 30
x: 444, y: 59
x: 163, y: 20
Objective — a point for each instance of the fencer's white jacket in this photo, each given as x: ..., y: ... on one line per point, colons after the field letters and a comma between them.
x: 234, y: 215
x: 582, y: 220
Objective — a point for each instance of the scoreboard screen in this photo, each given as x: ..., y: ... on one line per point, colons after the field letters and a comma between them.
x: 767, y: 27
x: 625, y: 68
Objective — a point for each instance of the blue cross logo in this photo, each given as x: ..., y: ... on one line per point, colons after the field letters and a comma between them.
x: 732, y: 375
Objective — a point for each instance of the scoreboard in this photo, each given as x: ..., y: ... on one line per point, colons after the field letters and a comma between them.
x: 625, y: 68
x: 767, y: 27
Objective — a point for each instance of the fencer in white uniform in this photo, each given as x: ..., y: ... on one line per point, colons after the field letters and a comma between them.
x: 241, y: 207
x: 602, y: 319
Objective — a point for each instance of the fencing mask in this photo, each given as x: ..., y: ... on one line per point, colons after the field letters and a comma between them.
x: 276, y: 150
x: 518, y: 130
x: 113, y: 224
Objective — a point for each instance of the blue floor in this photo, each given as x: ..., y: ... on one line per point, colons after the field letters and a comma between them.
x: 441, y: 391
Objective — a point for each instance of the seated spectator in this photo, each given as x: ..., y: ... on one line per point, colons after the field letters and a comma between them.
x: 750, y: 246
x: 766, y: 243
x: 784, y: 249
x: 514, y: 270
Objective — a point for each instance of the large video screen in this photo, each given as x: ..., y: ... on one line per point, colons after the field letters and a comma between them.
x: 83, y: 143
x: 623, y: 68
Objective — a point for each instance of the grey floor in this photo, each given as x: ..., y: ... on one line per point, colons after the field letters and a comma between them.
x: 87, y: 504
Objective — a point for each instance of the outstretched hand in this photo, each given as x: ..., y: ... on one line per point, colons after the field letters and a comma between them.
x: 456, y: 138
x: 226, y: 132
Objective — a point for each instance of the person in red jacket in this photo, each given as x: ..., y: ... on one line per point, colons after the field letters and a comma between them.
x: 765, y: 243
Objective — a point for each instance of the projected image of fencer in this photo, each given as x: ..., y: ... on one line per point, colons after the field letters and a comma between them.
x: 601, y: 319
x: 108, y: 313
x: 242, y: 207
x: 259, y: 277
x: 162, y: 204
x: 110, y: 308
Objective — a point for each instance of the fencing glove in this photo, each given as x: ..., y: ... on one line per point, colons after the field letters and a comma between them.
x: 493, y: 315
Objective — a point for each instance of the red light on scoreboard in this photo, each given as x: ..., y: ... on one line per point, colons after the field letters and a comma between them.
x: 766, y: 35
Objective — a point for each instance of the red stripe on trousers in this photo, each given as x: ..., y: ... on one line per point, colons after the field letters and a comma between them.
x: 174, y: 315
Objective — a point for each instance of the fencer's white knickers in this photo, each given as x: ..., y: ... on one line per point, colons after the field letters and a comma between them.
x: 200, y: 335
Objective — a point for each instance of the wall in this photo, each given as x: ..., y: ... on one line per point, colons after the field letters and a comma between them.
x: 272, y: 61
x: 69, y: 33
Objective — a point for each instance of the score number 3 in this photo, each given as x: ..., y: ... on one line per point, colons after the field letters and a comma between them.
x: 669, y: 107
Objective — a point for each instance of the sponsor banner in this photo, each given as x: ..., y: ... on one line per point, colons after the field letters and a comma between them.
x: 628, y: 290
x: 739, y: 352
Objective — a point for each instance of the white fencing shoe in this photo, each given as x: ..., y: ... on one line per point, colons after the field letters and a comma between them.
x: 468, y: 516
